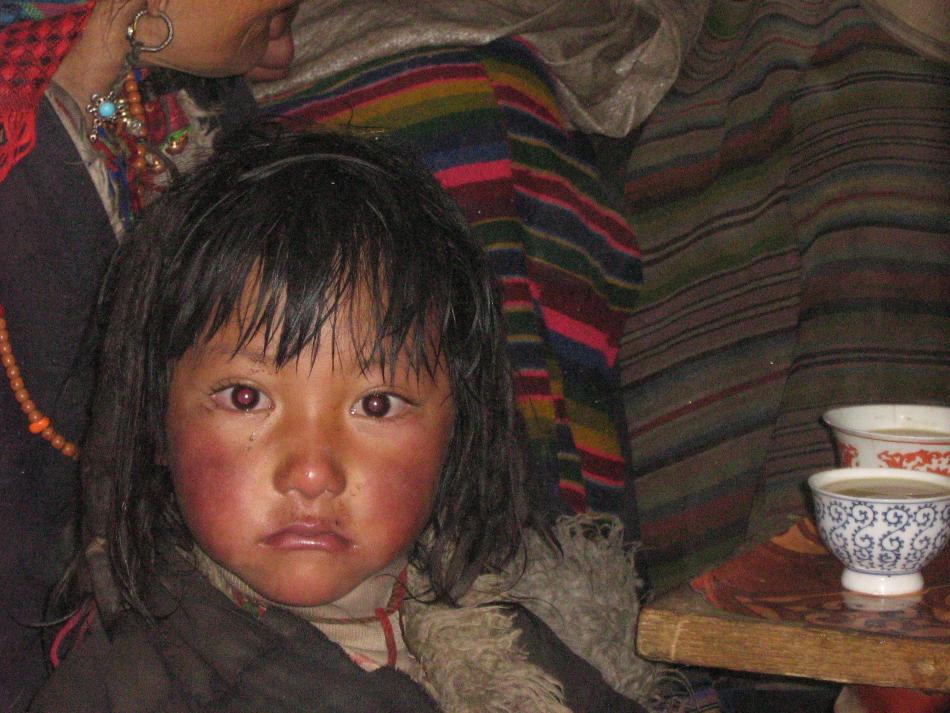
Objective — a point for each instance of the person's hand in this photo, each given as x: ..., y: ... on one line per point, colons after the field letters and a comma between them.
x: 275, y: 64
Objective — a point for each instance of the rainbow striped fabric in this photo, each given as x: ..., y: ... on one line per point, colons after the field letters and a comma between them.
x: 486, y: 122
x: 792, y: 199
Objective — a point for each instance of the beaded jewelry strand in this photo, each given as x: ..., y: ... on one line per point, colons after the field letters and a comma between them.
x: 132, y: 163
x: 39, y: 423
x: 135, y: 137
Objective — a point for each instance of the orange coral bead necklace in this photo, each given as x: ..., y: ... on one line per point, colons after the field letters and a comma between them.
x: 125, y: 137
x: 38, y: 423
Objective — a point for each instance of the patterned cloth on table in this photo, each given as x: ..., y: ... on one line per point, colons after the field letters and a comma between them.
x: 791, y: 195
x: 486, y: 122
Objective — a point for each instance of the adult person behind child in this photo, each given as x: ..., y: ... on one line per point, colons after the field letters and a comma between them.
x: 64, y: 201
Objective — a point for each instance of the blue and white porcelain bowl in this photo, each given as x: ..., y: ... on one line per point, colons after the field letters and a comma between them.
x: 883, y: 541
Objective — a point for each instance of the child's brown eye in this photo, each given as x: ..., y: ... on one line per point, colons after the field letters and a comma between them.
x: 245, y: 398
x: 376, y: 405
x: 380, y: 405
x: 241, y: 397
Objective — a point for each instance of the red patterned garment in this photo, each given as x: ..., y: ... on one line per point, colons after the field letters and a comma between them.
x: 34, y: 38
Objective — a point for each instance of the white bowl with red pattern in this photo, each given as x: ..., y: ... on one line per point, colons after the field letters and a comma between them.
x: 907, y: 436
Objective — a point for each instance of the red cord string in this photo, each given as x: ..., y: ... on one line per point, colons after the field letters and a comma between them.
x: 389, y: 634
x: 83, y: 617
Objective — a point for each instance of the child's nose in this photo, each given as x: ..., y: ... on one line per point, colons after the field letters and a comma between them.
x: 311, y: 470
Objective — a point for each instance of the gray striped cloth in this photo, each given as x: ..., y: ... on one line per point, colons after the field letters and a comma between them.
x: 791, y: 195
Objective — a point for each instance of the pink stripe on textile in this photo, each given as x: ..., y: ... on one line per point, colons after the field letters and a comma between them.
x: 597, y: 453
x: 536, y: 373
x: 601, y: 479
x: 564, y: 192
x: 515, y: 98
x: 574, y: 495
x: 473, y: 173
x: 580, y: 332
x: 591, y: 217
x: 700, y: 403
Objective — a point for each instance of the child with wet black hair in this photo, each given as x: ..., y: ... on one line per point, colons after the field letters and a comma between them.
x: 303, y: 489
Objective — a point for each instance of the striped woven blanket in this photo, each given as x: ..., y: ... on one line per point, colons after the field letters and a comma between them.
x: 791, y: 195
x: 486, y: 122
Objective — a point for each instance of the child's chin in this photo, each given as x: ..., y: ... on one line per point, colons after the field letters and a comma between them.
x: 302, y: 596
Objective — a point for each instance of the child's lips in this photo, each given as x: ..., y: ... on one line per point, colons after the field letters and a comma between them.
x: 307, y: 536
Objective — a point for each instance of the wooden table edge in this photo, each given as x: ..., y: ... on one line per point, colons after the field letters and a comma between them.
x: 683, y: 628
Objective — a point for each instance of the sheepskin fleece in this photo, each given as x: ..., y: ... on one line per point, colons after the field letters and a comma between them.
x: 587, y: 594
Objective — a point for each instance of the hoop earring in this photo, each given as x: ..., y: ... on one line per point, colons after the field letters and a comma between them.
x: 137, y: 45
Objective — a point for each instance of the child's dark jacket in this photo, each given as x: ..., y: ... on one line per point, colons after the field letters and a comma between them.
x: 207, y: 654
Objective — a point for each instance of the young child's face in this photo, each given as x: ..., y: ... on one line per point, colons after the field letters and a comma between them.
x: 304, y: 481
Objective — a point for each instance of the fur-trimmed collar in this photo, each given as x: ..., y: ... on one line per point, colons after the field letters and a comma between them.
x: 587, y: 594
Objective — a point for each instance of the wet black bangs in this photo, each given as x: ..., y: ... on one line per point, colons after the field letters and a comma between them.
x: 347, y: 258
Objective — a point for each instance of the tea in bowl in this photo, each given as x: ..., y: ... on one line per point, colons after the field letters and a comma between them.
x: 914, y: 437
x: 883, y: 524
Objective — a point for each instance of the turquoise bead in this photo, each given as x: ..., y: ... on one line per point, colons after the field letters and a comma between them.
x: 106, y: 109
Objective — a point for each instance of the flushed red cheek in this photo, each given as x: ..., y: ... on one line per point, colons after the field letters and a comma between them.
x: 206, y: 476
x: 399, y: 501
x: 404, y: 498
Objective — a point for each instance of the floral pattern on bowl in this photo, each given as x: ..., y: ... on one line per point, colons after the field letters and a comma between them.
x: 909, y: 436
x: 882, y: 538
x: 883, y: 542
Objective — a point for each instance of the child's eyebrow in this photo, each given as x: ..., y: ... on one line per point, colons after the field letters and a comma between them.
x: 257, y: 357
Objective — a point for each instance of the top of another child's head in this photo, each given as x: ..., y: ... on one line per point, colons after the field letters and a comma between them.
x: 303, y: 373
